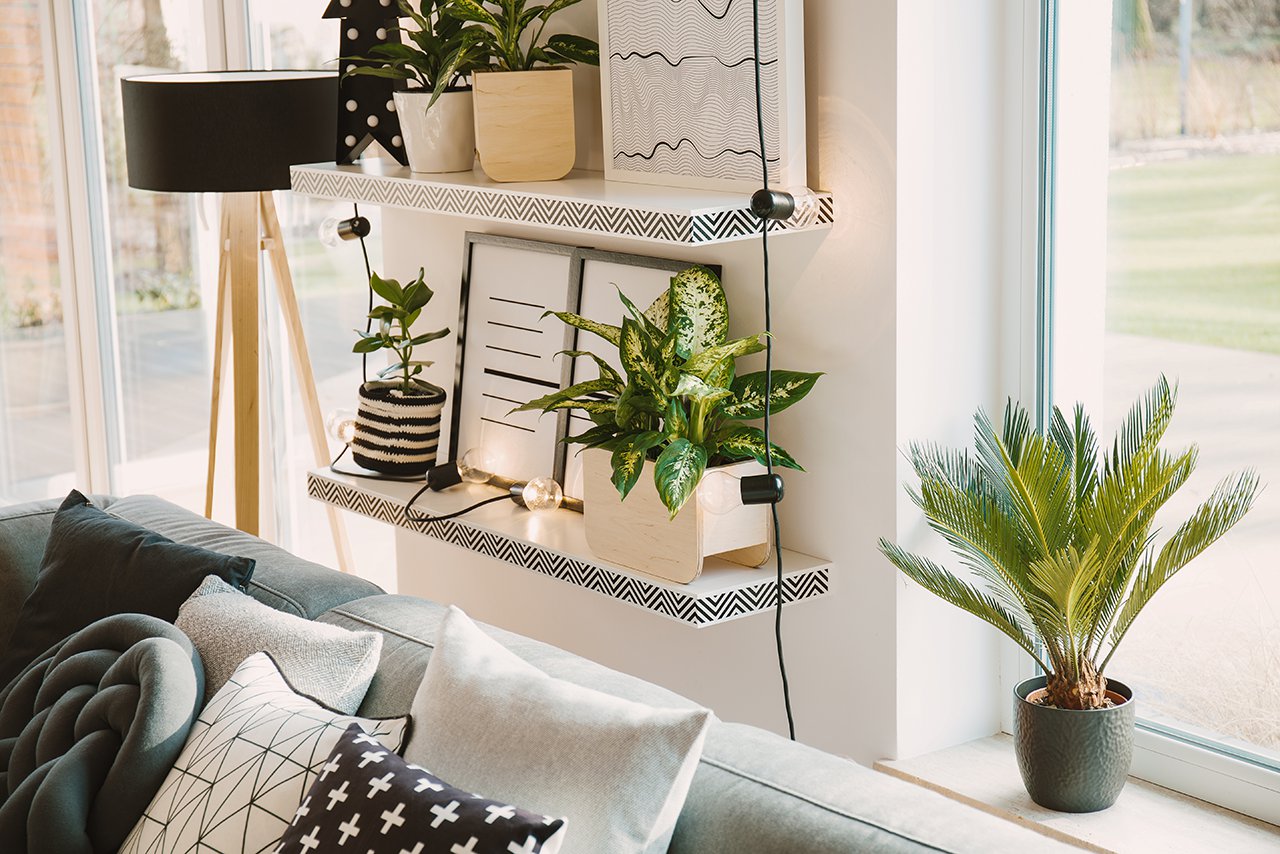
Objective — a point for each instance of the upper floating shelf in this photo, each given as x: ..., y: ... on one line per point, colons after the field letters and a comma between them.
x: 582, y: 202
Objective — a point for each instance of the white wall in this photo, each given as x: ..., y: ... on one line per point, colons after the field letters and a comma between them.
x: 900, y: 304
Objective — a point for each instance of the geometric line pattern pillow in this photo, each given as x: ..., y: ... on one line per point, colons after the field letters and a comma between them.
x: 251, y: 756
x: 368, y: 799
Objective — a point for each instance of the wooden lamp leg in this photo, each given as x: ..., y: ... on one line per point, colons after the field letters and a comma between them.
x: 222, y: 331
x: 274, y: 243
x: 245, y: 240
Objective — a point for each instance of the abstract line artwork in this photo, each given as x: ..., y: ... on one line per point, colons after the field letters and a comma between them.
x: 679, y: 92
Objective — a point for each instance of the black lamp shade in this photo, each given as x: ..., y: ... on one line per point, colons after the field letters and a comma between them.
x: 226, y: 132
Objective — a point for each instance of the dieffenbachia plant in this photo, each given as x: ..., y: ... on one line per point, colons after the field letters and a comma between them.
x: 678, y: 399
x: 1061, y: 537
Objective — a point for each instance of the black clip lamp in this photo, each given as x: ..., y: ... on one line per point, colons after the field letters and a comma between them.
x: 237, y: 133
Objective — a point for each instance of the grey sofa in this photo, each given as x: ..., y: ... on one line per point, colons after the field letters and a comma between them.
x: 753, y: 792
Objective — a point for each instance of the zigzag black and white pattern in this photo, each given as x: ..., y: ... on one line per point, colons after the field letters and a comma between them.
x: 696, y: 611
x: 569, y: 214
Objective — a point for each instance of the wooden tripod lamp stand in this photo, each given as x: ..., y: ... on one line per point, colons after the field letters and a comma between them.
x: 237, y: 133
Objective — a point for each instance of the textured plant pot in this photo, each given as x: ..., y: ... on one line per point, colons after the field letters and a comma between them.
x: 524, y: 124
x: 1073, y: 761
x: 397, y: 433
x: 441, y: 138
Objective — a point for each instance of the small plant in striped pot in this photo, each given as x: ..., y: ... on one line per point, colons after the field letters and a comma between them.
x: 398, y: 418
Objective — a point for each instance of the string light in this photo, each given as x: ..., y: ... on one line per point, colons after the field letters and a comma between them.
x: 721, y: 492
x: 341, y: 425
x: 539, y: 494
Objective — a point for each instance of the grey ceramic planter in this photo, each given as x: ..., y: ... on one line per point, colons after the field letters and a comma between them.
x: 1073, y: 761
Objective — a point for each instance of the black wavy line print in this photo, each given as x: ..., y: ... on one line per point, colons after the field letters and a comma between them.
x: 682, y: 141
x: 719, y: 17
x: 635, y: 54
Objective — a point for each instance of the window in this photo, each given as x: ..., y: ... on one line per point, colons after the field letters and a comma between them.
x: 1165, y: 258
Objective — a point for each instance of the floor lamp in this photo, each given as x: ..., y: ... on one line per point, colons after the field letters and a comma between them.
x: 237, y: 133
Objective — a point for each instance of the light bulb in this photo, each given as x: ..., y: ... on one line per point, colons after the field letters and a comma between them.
x: 341, y: 425
x: 542, y: 493
x: 334, y: 230
x: 476, y: 465
x: 720, y: 492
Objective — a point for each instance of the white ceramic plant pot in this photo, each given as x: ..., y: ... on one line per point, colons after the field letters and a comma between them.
x: 442, y: 138
x: 640, y: 534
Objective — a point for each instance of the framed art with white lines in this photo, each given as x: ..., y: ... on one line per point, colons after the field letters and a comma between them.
x: 601, y: 275
x: 507, y: 352
x: 679, y: 99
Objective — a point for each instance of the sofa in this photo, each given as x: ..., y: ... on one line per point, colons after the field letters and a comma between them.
x: 752, y: 791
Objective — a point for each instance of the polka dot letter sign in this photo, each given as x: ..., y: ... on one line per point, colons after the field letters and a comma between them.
x: 365, y: 109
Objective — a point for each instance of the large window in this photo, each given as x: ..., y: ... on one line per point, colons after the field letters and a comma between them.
x: 1173, y: 192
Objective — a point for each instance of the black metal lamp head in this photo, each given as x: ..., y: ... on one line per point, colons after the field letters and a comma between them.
x: 226, y: 132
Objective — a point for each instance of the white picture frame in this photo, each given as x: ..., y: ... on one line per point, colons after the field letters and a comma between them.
x: 669, y: 70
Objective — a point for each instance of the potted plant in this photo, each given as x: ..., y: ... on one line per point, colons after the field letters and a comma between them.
x: 437, y: 115
x: 524, y: 100
x: 675, y: 409
x: 1061, y: 537
x: 398, y: 418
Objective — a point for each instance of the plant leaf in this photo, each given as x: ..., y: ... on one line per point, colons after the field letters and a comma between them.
x: 659, y: 311
x: 606, y: 370
x: 428, y: 336
x: 743, y: 442
x: 749, y: 390
x: 472, y: 10
x: 388, y: 289
x: 693, y: 387
x: 699, y: 311
x: 640, y: 357
x: 547, y: 402
x: 575, y: 48
x: 677, y: 472
x: 612, y: 334
x: 703, y: 362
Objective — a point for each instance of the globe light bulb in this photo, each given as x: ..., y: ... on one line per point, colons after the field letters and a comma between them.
x: 719, y: 493
x: 542, y: 493
x: 341, y: 425
x: 476, y: 466
x: 333, y: 230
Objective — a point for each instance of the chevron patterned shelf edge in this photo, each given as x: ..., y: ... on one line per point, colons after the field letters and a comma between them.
x: 694, y: 228
x: 720, y: 607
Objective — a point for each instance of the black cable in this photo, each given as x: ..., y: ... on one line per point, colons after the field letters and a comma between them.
x: 768, y: 376
x: 368, y: 277
x: 409, y: 514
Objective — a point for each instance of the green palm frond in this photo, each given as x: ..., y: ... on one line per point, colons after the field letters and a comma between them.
x: 1063, y: 541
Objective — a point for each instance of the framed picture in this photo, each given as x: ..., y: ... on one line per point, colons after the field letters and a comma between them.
x: 679, y: 98
x: 507, y: 352
x: 600, y: 276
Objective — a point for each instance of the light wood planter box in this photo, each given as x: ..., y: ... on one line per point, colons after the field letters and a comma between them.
x: 524, y: 124
x: 639, y: 534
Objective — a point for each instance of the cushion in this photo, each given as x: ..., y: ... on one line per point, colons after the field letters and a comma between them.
x: 393, y: 806
x: 252, y: 755
x: 619, y: 770
x: 329, y: 664
x: 96, y: 565
x: 89, y: 732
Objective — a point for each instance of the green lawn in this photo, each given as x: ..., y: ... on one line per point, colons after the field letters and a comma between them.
x: 1194, y: 251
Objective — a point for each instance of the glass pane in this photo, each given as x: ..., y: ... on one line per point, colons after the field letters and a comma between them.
x: 1193, y: 291
x: 37, y: 459
x: 157, y: 258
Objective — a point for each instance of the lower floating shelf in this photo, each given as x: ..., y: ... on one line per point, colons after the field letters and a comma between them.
x: 555, y: 545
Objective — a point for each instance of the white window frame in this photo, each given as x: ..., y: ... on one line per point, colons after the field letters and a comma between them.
x: 1223, y: 775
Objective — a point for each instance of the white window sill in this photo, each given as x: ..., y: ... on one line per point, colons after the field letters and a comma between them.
x: 1147, y: 817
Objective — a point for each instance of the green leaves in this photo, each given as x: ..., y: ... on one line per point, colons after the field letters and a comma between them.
x: 394, y: 321
x: 612, y: 334
x: 511, y: 50
x: 1063, y: 541
x: 742, y: 442
x: 699, y: 312
x: 628, y: 459
x: 639, y: 357
x: 749, y: 391
x: 677, y: 472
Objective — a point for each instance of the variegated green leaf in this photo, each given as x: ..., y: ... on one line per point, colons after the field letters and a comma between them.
x: 743, y: 442
x: 589, y: 406
x: 694, y: 387
x: 628, y: 459
x: 699, y: 311
x: 659, y: 311
x: 612, y: 334
x: 548, y: 402
x: 722, y: 374
x: 633, y: 402
x: 639, y: 356
x: 677, y: 472
x: 606, y: 370
x: 749, y: 391
x: 597, y: 435
x: 675, y: 422
x: 648, y: 325
x: 702, y: 363
x: 472, y: 10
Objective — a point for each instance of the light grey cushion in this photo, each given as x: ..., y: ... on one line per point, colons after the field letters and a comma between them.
x: 88, y: 732
x: 252, y: 755
x: 327, y: 663
x: 488, y: 722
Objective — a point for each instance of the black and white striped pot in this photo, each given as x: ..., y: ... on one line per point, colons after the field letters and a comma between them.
x: 397, y: 432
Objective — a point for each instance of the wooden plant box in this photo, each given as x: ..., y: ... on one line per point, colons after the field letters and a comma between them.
x: 524, y: 124
x: 639, y: 534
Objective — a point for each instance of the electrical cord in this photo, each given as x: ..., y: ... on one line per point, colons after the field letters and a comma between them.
x: 768, y: 374
x: 412, y: 517
x: 368, y: 278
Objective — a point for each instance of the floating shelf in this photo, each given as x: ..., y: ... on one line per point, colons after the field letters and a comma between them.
x: 582, y: 202
x: 555, y: 544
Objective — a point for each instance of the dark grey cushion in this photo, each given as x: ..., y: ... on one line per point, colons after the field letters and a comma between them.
x: 96, y: 565
x: 89, y: 731
x: 281, y: 580
x: 754, y: 792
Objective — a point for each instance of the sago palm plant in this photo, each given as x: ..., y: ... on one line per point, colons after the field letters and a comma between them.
x: 1063, y: 540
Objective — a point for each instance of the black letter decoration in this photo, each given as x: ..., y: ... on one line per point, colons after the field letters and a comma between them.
x: 365, y: 109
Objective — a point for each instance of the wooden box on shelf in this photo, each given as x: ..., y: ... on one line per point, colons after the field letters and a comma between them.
x: 640, y: 534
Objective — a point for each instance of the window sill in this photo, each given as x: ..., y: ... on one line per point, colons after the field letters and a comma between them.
x: 1147, y: 817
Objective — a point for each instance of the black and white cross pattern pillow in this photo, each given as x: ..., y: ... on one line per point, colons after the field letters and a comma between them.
x: 368, y: 800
